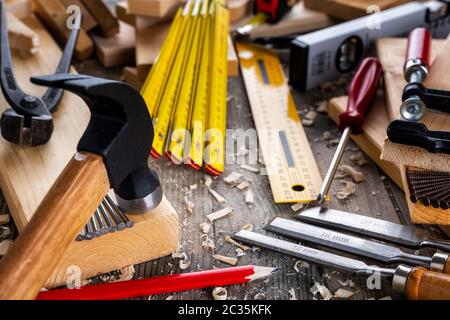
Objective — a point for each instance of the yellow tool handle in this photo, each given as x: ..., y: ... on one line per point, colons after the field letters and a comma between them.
x: 423, y: 284
x: 67, y: 207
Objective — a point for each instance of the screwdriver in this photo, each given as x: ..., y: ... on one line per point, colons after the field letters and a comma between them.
x: 362, y: 92
x: 417, y: 66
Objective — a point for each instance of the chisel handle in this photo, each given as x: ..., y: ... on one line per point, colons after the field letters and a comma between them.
x: 64, y: 211
x: 362, y: 93
x: 423, y: 284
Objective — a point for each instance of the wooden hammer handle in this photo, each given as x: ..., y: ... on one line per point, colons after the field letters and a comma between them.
x: 423, y: 284
x: 64, y: 211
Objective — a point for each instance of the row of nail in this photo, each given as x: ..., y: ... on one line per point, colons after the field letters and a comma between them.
x: 431, y: 188
x: 108, y: 218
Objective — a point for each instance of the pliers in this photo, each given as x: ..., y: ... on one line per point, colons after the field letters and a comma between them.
x: 29, y: 119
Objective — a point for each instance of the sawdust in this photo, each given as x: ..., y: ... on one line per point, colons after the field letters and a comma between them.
x: 297, y: 207
x: 260, y: 296
x: 240, y: 252
x: 248, y: 227
x: 249, y: 198
x: 347, y: 283
x: 220, y: 294
x: 208, y: 181
x: 228, y: 260
x: 184, y: 264
x: 344, y: 294
x: 307, y: 122
x: 358, y: 159
x: 324, y: 292
x: 205, y: 227
x: 292, y: 295
x: 189, y: 205
x: 243, y: 185
x: 219, y: 214
x: 208, y: 243
x: 346, y: 191
x: 322, y: 107
x: 300, y: 265
x: 348, y: 171
x: 126, y: 274
x: 326, y: 136
x: 236, y: 244
x: 233, y: 178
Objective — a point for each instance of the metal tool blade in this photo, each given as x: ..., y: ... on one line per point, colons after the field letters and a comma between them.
x: 309, y: 254
x: 340, y: 241
x: 372, y: 227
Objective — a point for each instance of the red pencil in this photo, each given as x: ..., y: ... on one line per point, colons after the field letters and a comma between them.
x: 161, y: 285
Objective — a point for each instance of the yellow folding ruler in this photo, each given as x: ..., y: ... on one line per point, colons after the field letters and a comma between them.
x: 187, y: 87
x: 291, y: 166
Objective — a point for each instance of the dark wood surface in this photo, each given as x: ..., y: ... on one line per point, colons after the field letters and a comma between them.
x: 378, y: 196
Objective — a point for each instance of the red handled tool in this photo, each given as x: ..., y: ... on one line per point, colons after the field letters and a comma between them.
x: 417, y: 66
x: 275, y: 9
x: 361, y: 95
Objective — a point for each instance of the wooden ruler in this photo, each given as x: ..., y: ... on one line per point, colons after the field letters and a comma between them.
x: 293, y: 173
x: 188, y: 104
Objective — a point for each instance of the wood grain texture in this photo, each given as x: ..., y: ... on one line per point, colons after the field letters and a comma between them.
x: 152, y: 8
x: 372, y: 140
x: 139, y: 22
x: 118, y: 49
x: 426, y: 285
x: 21, y: 37
x: 59, y: 218
x: 53, y: 14
x: 130, y: 76
x: 20, y: 8
x: 107, y: 23
x: 88, y: 22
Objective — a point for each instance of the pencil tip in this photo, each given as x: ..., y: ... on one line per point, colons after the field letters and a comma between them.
x: 262, y: 272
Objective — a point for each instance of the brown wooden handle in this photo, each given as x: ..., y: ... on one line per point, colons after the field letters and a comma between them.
x: 447, y: 267
x: 423, y: 284
x: 62, y: 214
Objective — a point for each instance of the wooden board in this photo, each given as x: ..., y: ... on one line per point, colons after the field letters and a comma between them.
x: 391, y: 52
x: 26, y: 174
x: 118, y: 49
x: 239, y: 9
x: 349, y: 9
x: 88, y: 22
x: 20, y: 36
x: 53, y: 14
x: 19, y: 8
x: 152, y: 8
x: 107, y: 23
x: 130, y: 76
x: 372, y: 140
x: 139, y: 22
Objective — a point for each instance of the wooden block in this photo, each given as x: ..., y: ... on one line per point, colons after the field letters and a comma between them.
x: 53, y: 15
x: 239, y: 9
x: 372, y: 140
x: 116, y: 50
x: 130, y: 76
x: 26, y: 175
x: 152, y: 8
x: 19, y: 8
x: 349, y: 9
x: 20, y: 36
x: 5, y: 245
x: 88, y: 22
x: 233, y: 61
x: 108, y: 24
x: 298, y: 20
x: 139, y: 22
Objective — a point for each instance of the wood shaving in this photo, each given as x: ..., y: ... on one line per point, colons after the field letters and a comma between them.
x: 347, y: 283
x: 126, y: 274
x: 343, y: 294
x: 322, y: 290
x: 233, y: 178
x: 193, y: 187
x: 248, y: 227
x: 4, y: 247
x: 4, y: 219
x: 228, y: 260
x: 249, y: 198
x: 219, y: 214
x: 300, y: 265
x: 358, y: 159
x: 292, y: 295
x: 217, y: 196
x: 236, y: 244
x: 307, y: 122
x: 189, y: 205
x: 220, y: 293
x: 345, y: 192
x: 297, y: 207
x: 326, y: 136
x: 333, y: 143
x: 205, y: 227
x: 322, y: 107
x: 184, y: 264
x: 244, y: 185
x: 208, y: 243
x: 208, y: 181
x: 260, y: 296
x: 5, y: 232
x: 311, y: 115
x: 250, y: 168
x: 170, y: 298
x: 349, y: 171
x: 240, y: 252
x: 179, y: 254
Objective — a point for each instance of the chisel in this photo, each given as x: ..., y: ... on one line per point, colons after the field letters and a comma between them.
x: 367, y: 226
x: 414, y: 283
x: 361, y: 95
x: 440, y: 262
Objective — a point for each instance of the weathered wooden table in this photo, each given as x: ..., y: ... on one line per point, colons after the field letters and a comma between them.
x: 377, y: 196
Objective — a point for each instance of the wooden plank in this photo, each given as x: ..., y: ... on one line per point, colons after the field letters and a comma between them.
x: 350, y: 9
x: 139, y: 22
x: 53, y: 15
x: 88, y: 22
x: 116, y: 50
x: 391, y: 52
x: 233, y: 61
x: 108, y: 24
x: 298, y: 20
x: 20, y: 36
x: 26, y: 174
x: 19, y: 8
x: 130, y: 76
x: 239, y: 9
x: 372, y: 140
x: 152, y: 8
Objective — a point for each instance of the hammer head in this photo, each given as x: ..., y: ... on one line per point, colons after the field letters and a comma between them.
x: 121, y: 131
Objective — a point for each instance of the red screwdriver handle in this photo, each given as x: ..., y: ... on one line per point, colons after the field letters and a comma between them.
x: 419, y: 46
x: 362, y: 93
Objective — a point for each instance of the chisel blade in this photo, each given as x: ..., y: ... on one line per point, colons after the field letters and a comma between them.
x: 343, y: 242
x: 309, y: 254
x: 372, y: 227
